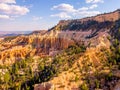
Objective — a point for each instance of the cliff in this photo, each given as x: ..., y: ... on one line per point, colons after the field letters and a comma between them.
x: 112, y: 17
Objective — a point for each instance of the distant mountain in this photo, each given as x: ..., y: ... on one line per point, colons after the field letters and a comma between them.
x: 13, y: 33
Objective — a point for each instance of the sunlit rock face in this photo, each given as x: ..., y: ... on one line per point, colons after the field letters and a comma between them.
x: 48, y: 44
x: 34, y: 44
x: 44, y: 86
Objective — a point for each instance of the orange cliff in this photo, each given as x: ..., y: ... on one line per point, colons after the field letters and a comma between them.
x: 112, y: 16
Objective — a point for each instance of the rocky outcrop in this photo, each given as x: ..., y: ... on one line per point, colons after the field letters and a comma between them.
x: 44, y: 86
x: 112, y: 16
x: 9, y: 56
x: 117, y: 87
x: 33, y: 45
x: 95, y: 23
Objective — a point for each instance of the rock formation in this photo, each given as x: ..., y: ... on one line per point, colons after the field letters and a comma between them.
x: 64, y: 34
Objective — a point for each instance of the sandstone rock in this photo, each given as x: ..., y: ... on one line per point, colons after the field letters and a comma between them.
x: 117, y: 87
x: 44, y: 86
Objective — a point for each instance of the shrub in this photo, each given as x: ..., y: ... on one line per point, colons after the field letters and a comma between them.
x: 97, y: 83
x: 84, y: 87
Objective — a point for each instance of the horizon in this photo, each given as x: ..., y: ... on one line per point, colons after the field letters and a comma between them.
x: 31, y: 15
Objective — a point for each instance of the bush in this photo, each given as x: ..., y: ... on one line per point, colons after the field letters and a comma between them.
x: 109, y: 76
x: 76, y: 78
x: 97, y: 83
x: 84, y: 87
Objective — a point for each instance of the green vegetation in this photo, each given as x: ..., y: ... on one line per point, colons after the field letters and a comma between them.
x: 84, y: 87
x: 114, y: 56
x: 104, y: 76
x: 9, y: 38
x: 23, y: 74
x: 88, y: 25
x: 97, y: 84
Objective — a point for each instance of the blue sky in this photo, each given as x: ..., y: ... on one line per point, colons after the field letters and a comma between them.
x: 24, y: 15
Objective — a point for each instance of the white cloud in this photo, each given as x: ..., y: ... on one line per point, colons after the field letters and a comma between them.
x: 83, y: 9
x: 4, y: 17
x: 94, y: 1
x: 35, y: 18
x: 88, y: 8
x: 7, y: 1
x: 13, y: 9
x: 93, y: 6
x: 89, y: 1
x: 61, y: 15
x: 64, y: 7
x: 68, y: 11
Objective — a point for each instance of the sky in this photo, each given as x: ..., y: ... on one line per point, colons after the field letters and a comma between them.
x: 27, y: 15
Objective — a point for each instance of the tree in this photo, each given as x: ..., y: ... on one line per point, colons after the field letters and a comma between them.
x: 97, y: 83
x: 84, y: 87
x: 15, y: 68
x: 30, y: 71
x: 6, y: 79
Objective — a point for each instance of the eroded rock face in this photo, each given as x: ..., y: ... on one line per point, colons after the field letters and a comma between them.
x: 9, y: 56
x: 49, y: 43
x: 117, y: 87
x: 31, y: 45
x: 44, y: 86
